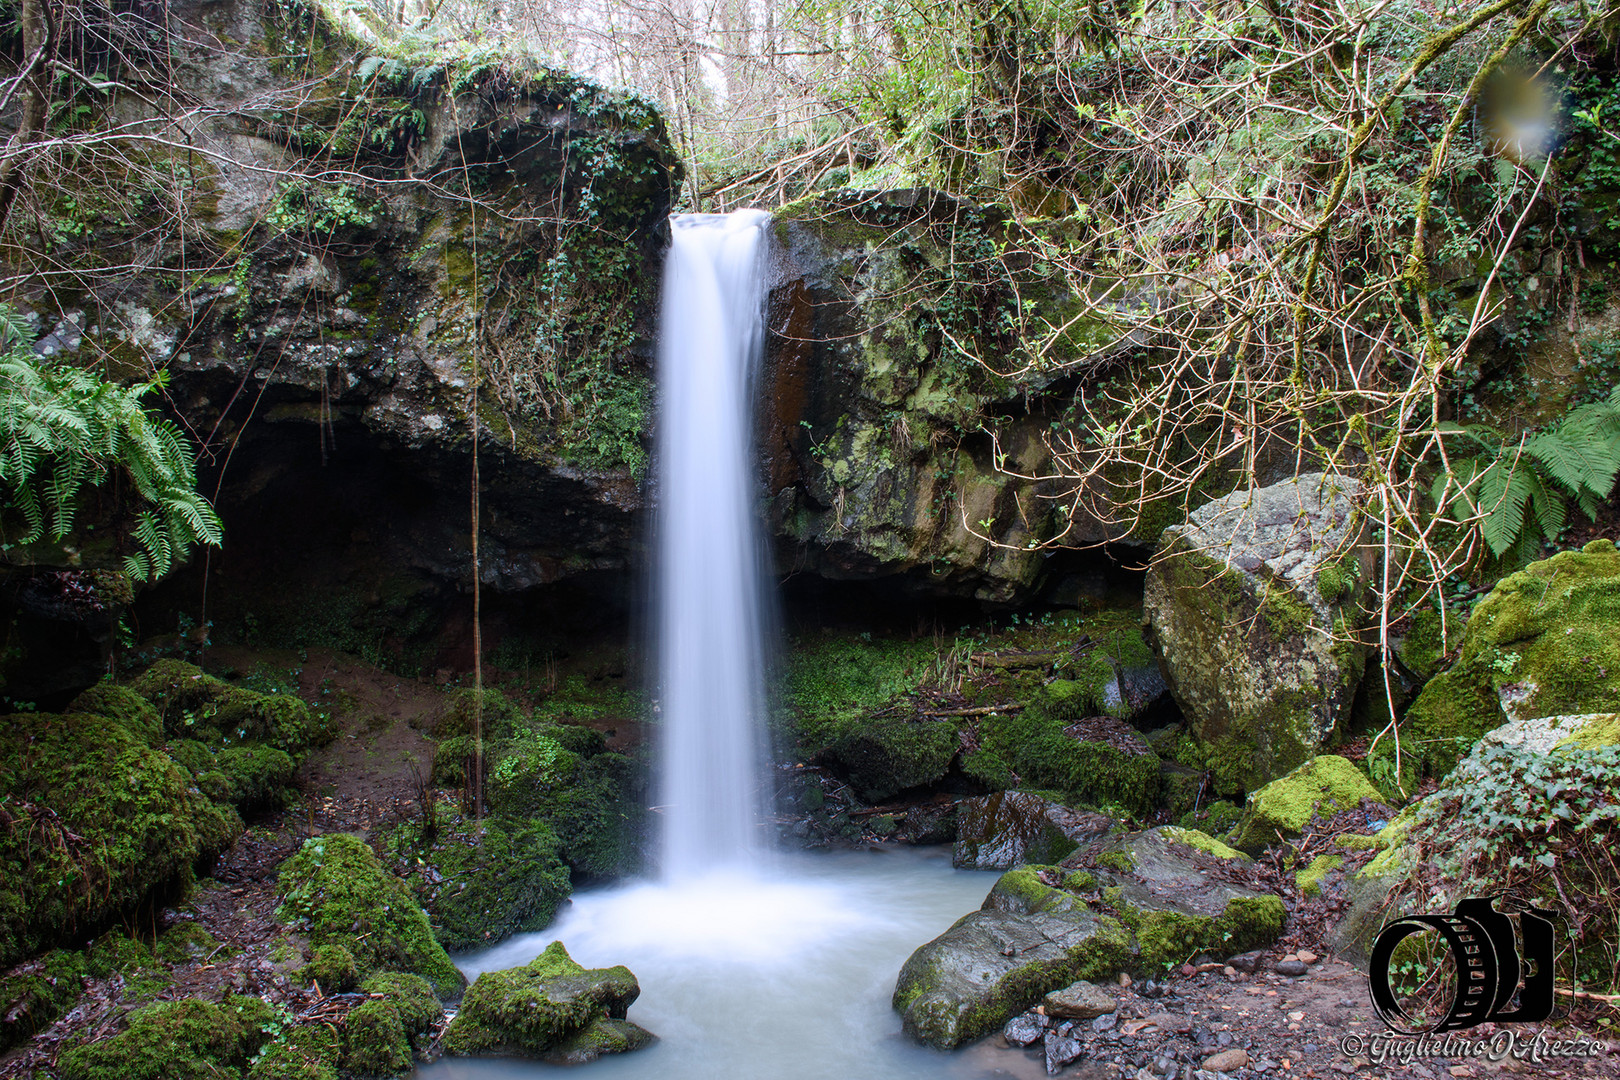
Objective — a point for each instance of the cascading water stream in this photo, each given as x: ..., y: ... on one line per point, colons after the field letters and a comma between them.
x: 707, y: 584
x: 751, y: 968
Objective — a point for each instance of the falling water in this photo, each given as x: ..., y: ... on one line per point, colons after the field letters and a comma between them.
x: 708, y: 575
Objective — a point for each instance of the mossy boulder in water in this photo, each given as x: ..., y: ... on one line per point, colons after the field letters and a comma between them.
x: 1281, y: 809
x: 335, y: 887
x: 190, y: 1038
x: 545, y: 1007
x: 1254, y: 607
x: 1545, y: 642
x: 1140, y: 902
x: 1005, y: 828
x: 93, y: 823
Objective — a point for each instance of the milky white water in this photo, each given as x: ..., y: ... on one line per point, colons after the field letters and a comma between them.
x: 707, y: 580
x: 786, y: 976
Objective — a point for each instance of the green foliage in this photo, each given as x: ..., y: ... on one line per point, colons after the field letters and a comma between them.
x: 316, y: 211
x: 62, y: 428
x: 191, y: 1038
x: 1539, y: 827
x: 335, y: 888
x: 93, y: 822
x: 1520, y: 489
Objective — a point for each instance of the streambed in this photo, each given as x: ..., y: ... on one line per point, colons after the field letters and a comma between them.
x: 785, y: 976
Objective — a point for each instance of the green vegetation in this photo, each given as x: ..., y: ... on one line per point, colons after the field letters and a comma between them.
x: 530, y: 1010
x: 1324, y: 785
x: 63, y: 428
x: 335, y: 890
x: 189, y: 1038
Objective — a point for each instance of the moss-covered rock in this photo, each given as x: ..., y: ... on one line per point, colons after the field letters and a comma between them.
x: 1263, y: 665
x: 374, y: 1041
x: 1202, y: 841
x: 1281, y: 809
x: 592, y: 800
x: 190, y: 1038
x: 331, y: 967
x: 93, y: 822
x: 1309, y: 878
x: 884, y: 756
x: 335, y: 887
x: 259, y: 775
x: 1140, y: 902
x: 186, y: 941
x: 192, y: 703
x: 1545, y: 642
x: 35, y: 993
x: 124, y: 705
x: 1051, y: 745
x: 481, y: 883
x: 413, y: 999
x: 307, y: 1052
x: 1005, y: 828
x: 532, y: 1010
x: 605, y: 1036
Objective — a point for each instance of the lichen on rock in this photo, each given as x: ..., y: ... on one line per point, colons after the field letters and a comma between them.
x: 1261, y: 662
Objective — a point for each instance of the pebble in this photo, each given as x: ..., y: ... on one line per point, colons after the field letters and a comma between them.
x: 1291, y: 968
x: 1223, y: 1038
x: 1171, y: 1022
x: 1229, y: 971
x: 1105, y: 1022
x: 1080, y: 1001
x: 1124, y: 979
x: 1024, y: 1029
x: 1227, y: 1060
x: 1060, y: 1051
x: 1247, y: 963
x: 1307, y: 957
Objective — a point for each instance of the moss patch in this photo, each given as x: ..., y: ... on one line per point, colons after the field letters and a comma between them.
x: 1309, y: 879
x: 335, y: 886
x: 1202, y: 841
x: 1325, y: 784
x: 531, y: 1009
x: 189, y: 1038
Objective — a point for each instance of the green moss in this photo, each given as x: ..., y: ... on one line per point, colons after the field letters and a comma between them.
x: 531, y: 1009
x: 335, y: 886
x: 141, y: 827
x: 307, y: 1052
x: 413, y: 999
x: 834, y: 681
x: 258, y: 775
x: 484, y: 886
x: 1204, y: 842
x: 1309, y: 879
x: 1547, y: 636
x: 331, y: 967
x: 1599, y: 731
x: 591, y: 803
x: 186, y: 941
x: 886, y: 756
x: 1118, y: 861
x: 36, y: 993
x: 1325, y: 784
x: 1035, y: 746
x: 191, y: 701
x: 124, y: 705
x: 191, y: 1038
x: 1217, y: 818
x: 374, y: 1041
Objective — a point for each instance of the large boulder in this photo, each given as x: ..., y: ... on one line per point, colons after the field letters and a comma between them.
x: 1140, y: 902
x: 1254, y: 607
x: 1545, y: 642
x: 1007, y: 828
x: 551, y: 1008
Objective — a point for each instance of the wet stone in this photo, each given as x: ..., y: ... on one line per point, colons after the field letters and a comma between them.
x: 1291, y: 968
x: 1248, y: 962
x: 1227, y: 1060
x: 1025, y: 1029
x: 1080, y: 1001
x: 1060, y: 1051
x: 1105, y: 1022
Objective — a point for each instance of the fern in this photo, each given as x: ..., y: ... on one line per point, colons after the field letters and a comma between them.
x: 1518, y: 492
x: 62, y: 428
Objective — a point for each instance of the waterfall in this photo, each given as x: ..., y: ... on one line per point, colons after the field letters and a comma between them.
x: 707, y: 585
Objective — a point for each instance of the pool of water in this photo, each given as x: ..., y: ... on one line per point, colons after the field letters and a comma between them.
x: 780, y: 976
